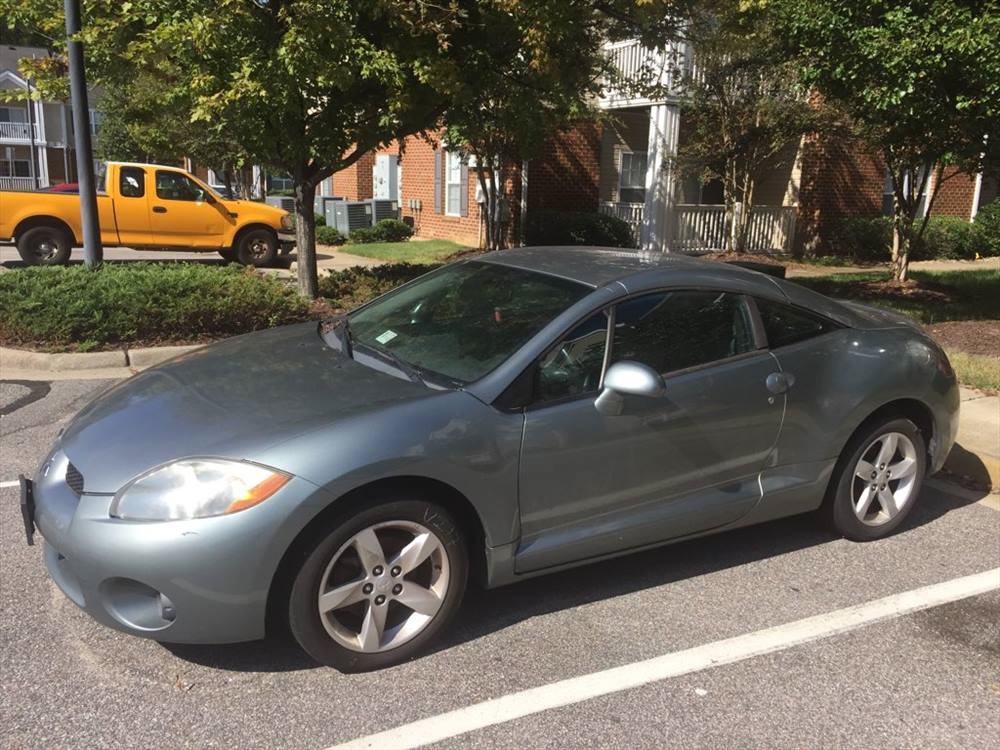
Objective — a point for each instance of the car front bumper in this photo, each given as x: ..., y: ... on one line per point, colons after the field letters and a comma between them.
x: 195, y: 581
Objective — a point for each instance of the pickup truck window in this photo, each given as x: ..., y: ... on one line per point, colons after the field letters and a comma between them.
x: 132, y: 182
x: 173, y: 186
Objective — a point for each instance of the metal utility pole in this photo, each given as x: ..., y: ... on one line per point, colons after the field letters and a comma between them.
x: 32, y: 154
x: 93, y: 253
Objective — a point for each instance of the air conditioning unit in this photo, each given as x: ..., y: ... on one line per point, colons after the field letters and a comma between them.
x: 281, y: 201
x: 346, y: 216
x: 384, y: 209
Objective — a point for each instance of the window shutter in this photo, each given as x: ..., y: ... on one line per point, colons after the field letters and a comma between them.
x: 438, y: 179
x: 465, y: 190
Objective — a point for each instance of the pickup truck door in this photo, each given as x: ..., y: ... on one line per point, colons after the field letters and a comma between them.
x: 182, y: 214
x: 131, y: 205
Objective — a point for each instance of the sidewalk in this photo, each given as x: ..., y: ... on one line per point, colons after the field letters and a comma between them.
x: 976, y: 455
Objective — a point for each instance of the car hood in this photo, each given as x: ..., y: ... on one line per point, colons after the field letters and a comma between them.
x: 232, y: 399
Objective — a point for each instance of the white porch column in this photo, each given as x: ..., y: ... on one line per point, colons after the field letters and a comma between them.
x: 657, y: 212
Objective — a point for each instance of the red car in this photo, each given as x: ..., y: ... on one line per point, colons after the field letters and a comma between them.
x: 63, y: 187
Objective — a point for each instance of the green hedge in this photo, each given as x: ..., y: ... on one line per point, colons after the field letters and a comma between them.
x: 577, y: 228
x: 75, y: 308
x: 387, y: 230
x: 329, y: 236
x: 868, y: 239
x: 987, y: 227
x: 354, y: 286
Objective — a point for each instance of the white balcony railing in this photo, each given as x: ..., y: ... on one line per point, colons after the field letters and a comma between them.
x: 642, y: 76
x: 772, y: 228
x: 17, y: 183
x: 628, y: 212
x: 18, y: 131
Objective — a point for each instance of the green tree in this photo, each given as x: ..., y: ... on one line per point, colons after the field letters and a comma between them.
x: 538, y: 69
x: 918, y: 80
x: 743, y: 104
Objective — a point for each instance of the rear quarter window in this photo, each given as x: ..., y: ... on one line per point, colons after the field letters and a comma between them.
x: 784, y: 324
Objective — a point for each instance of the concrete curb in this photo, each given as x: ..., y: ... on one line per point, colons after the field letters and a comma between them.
x: 25, y: 365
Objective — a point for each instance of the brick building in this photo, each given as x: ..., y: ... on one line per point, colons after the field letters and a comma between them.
x: 623, y: 166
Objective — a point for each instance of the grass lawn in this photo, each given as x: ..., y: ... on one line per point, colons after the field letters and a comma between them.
x: 411, y: 251
x: 976, y: 371
x: 938, y: 296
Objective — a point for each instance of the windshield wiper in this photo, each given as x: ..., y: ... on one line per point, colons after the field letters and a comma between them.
x: 402, y: 365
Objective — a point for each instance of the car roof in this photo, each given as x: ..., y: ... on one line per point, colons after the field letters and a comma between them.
x: 637, y: 271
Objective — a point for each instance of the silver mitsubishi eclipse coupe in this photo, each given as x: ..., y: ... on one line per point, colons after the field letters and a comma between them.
x: 501, y: 417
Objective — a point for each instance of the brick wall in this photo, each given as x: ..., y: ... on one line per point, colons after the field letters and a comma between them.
x: 566, y: 177
x: 839, y: 178
x: 954, y: 197
x: 355, y: 182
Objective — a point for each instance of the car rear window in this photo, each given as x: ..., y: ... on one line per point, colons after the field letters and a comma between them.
x: 784, y: 324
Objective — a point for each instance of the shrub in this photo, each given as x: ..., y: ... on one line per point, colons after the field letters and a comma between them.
x: 987, y: 228
x: 863, y: 239
x: 947, y: 238
x: 74, y: 307
x: 868, y: 239
x: 387, y: 230
x: 355, y: 286
x: 577, y: 228
x: 329, y: 236
x: 320, y: 220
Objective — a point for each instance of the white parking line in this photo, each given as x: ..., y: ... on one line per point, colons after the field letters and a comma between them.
x: 585, y: 687
x: 9, y: 484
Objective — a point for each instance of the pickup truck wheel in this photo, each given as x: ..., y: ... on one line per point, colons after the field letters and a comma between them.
x: 258, y: 247
x: 44, y: 246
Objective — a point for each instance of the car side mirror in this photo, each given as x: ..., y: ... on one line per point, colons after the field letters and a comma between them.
x: 627, y: 379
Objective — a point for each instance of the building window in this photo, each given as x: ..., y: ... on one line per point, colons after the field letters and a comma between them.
x: 13, y: 114
x: 887, y: 192
x: 15, y: 168
x: 95, y: 121
x: 453, y: 184
x: 632, y: 177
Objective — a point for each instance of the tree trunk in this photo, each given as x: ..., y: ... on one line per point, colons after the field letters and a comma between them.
x: 305, y: 238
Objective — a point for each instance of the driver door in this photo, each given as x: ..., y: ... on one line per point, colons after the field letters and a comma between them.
x: 591, y: 484
x: 184, y: 215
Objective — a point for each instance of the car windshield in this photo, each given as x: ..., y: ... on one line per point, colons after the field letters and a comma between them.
x: 465, y: 319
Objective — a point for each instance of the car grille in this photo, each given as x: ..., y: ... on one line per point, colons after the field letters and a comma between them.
x: 74, y: 479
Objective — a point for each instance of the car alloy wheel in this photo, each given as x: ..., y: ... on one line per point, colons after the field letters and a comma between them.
x: 376, y: 585
x: 884, y: 479
x: 383, y: 586
x: 877, y: 480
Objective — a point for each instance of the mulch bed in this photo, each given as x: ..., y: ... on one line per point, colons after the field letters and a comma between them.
x: 980, y: 337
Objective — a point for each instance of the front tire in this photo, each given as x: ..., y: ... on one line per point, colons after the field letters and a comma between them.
x: 257, y: 247
x: 877, y: 480
x: 379, y: 586
x: 44, y: 246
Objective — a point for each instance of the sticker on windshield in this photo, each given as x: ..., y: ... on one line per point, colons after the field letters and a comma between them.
x: 386, y: 337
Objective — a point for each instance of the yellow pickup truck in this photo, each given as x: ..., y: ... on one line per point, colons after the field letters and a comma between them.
x: 146, y: 206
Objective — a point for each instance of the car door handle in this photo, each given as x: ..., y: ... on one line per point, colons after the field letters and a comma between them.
x: 779, y: 382
x: 159, y: 210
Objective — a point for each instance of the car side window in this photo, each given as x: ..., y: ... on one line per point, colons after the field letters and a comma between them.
x: 173, y: 186
x: 784, y: 324
x: 671, y: 331
x: 132, y: 182
x: 574, y: 365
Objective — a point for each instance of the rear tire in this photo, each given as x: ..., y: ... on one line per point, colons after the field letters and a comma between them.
x: 877, y: 480
x: 391, y: 597
x: 44, y: 246
x: 257, y: 247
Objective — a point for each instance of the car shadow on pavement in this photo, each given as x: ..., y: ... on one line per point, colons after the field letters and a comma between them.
x: 487, y: 611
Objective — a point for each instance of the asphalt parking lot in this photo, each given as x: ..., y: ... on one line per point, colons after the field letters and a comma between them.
x: 928, y: 676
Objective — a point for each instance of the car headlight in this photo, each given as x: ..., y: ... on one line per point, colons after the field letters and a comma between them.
x: 196, y: 488
x: 288, y: 222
